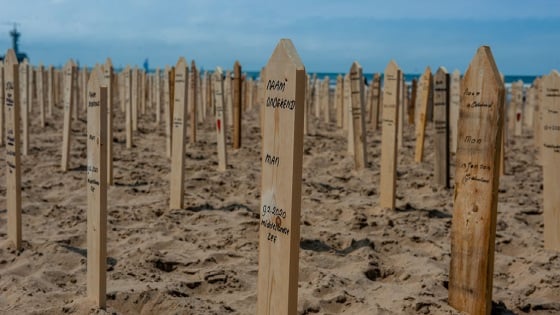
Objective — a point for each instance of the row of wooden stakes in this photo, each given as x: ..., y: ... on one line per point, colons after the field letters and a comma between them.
x: 286, y: 92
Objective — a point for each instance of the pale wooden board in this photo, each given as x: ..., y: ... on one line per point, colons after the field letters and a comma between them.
x: 13, y: 165
x: 157, y: 83
x: 2, y: 103
x: 192, y: 102
x: 402, y: 109
x: 40, y: 76
x: 220, y: 119
x: 348, y: 116
x: 389, y: 126
x: 475, y: 203
x: 454, y: 103
x: 375, y: 100
x: 107, y: 83
x: 529, y: 108
x: 326, y: 99
x: 135, y: 96
x: 51, y: 91
x: 237, y: 110
x: 69, y: 74
x: 550, y: 104
x: 179, y: 132
x: 282, y: 156
x: 128, y: 106
x: 167, y: 108
x: 97, y: 189
x: 358, y: 116
x: 339, y: 100
x: 412, y: 107
x: 422, y: 104
x: 25, y: 105
x: 441, y: 127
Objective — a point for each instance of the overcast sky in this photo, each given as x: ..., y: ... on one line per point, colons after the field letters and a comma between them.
x: 329, y: 35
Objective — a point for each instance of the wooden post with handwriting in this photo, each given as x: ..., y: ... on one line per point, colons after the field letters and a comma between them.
x: 422, y: 103
x: 179, y: 131
x: 454, y: 103
x: 2, y: 103
x: 25, y: 105
x: 550, y: 107
x: 69, y: 75
x: 13, y: 167
x: 96, y: 189
x: 441, y: 126
x: 220, y: 118
x: 237, y: 111
x: 282, y: 157
x: 108, y: 84
x: 192, y: 104
x: 473, y: 229
x: 128, y: 105
x: 41, y: 94
x: 358, y: 116
x: 389, y: 131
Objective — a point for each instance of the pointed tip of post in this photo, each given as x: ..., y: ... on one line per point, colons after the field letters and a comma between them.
x: 391, y: 66
x: 286, y: 49
x: 441, y: 69
x: 218, y: 70
x: 108, y: 62
x: 182, y: 62
x: 554, y: 72
x: 484, y: 60
x: 11, y: 57
x: 94, y: 79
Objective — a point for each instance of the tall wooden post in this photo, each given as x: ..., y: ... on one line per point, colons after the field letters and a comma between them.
x: 25, y: 105
x: 97, y: 189
x: 50, y: 91
x: 402, y: 109
x: 179, y: 133
x: 441, y: 126
x: 135, y: 97
x: 454, y: 103
x: 69, y: 75
x: 282, y: 155
x: 128, y: 105
x: 157, y: 83
x: 473, y: 229
x: 339, y: 100
x: 517, y: 100
x: 168, y: 77
x: 550, y: 104
x: 13, y: 167
x: 422, y: 101
x: 237, y: 105
x: 41, y: 94
x: 388, y: 178
x: 108, y: 84
x: 2, y: 103
x: 220, y: 118
x: 358, y: 116
x: 375, y: 100
x: 192, y: 104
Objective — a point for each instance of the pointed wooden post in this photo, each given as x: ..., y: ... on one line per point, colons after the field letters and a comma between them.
x: 2, y: 103
x: 327, y: 100
x: 339, y: 100
x: 358, y: 116
x: 50, y: 91
x: 179, y: 133
x: 25, y: 105
x: 220, y: 118
x: 550, y: 104
x: 454, y: 103
x: 97, y: 189
x: 75, y: 93
x: 41, y: 94
x: 157, y: 83
x: 282, y: 155
x: 441, y: 126
x: 135, y: 96
x: 128, y: 106
x: 348, y: 117
x: 375, y: 100
x: 192, y: 105
x: 422, y: 102
x: 108, y: 84
x: 167, y: 108
x: 402, y: 109
x: 517, y: 98
x: 388, y: 176
x: 237, y: 111
x: 69, y: 75
x: 13, y: 167
x: 473, y: 228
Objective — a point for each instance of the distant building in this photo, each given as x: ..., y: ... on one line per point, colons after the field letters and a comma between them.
x: 15, y: 38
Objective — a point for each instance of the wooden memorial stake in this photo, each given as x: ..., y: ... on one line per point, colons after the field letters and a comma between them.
x: 402, y: 109
x: 220, y: 118
x: 13, y: 169
x: 529, y: 108
x: 50, y: 91
x: 228, y: 98
x: 97, y: 189
x: 473, y: 228
x: 168, y: 113
x: 338, y: 100
x: 128, y: 105
x: 358, y: 116
x: 282, y: 156
x: 348, y: 109
x: 375, y: 100
x: 388, y: 176
x: 327, y: 100
x: 441, y: 126
x: 237, y: 105
x: 41, y: 94
x: 179, y: 133
x: 108, y: 84
x: 550, y: 105
x: 454, y: 103
x: 422, y: 101
x: 517, y: 95
x: 25, y: 105
x: 135, y: 96
x: 69, y: 75
x: 157, y: 83
x: 75, y: 93
x: 192, y: 104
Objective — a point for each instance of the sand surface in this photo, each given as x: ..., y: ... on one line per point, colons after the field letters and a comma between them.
x: 355, y: 258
